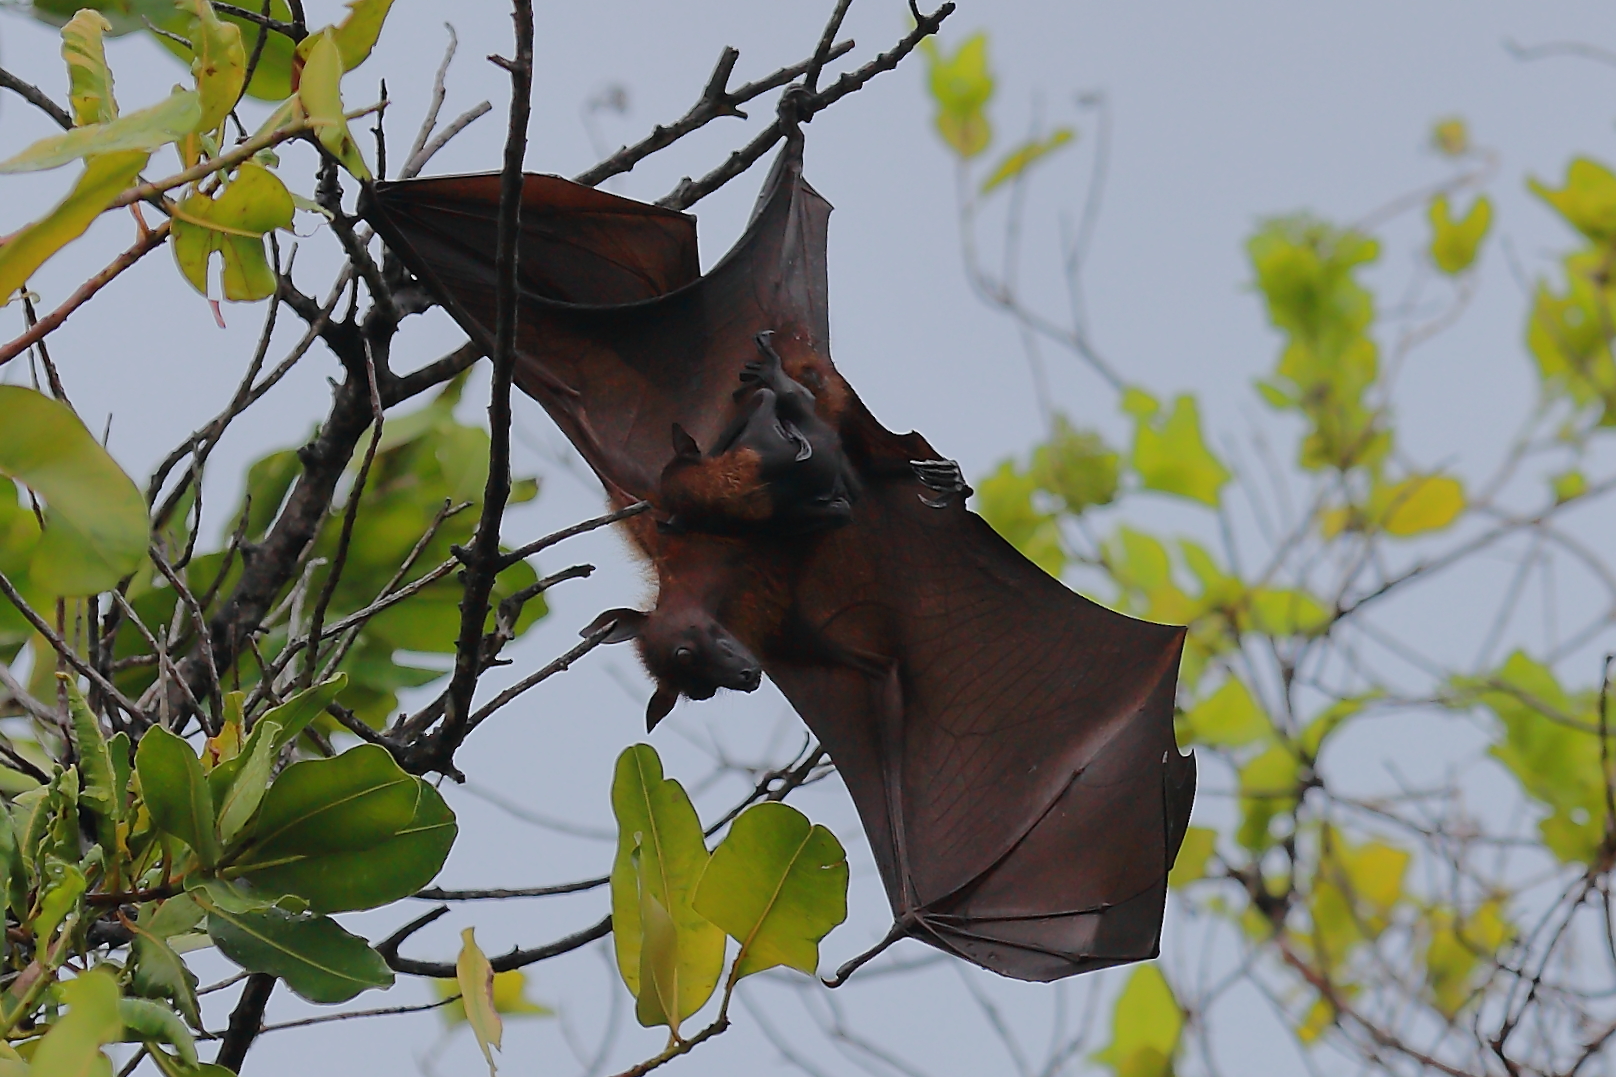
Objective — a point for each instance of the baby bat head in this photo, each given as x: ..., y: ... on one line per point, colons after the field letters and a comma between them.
x: 687, y: 651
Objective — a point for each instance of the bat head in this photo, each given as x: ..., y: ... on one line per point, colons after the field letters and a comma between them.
x: 687, y: 651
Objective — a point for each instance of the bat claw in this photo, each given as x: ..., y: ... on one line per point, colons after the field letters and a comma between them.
x: 945, y: 478
x: 849, y: 967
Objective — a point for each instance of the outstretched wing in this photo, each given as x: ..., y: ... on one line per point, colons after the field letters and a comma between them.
x: 1014, y: 763
x: 619, y: 337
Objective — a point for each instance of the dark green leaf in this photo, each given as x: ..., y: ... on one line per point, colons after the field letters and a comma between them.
x: 176, y: 792
x: 145, y: 1021
x: 160, y: 972
x: 352, y: 832
x: 313, y: 954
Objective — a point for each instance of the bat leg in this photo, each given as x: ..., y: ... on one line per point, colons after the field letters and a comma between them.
x: 944, y: 477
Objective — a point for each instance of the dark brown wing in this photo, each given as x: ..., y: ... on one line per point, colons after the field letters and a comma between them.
x: 618, y: 336
x: 1015, y: 765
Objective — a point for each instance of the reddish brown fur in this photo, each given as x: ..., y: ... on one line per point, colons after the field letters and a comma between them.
x: 722, y: 489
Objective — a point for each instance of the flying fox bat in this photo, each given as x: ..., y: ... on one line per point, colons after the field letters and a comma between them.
x: 1008, y: 743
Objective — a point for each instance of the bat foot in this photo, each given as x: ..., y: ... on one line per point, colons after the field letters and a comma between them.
x: 945, y: 478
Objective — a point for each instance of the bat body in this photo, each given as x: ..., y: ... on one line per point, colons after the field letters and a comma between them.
x: 1008, y: 744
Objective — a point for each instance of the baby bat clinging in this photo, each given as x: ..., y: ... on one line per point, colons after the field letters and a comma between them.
x: 1008, y: 744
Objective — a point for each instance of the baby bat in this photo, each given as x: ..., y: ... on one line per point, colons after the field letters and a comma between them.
x: 1008, y: 743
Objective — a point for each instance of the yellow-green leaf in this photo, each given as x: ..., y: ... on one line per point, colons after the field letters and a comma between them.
x: 510, y: 998
x: 961, y: 84
x: 1457, y: 948
x: 476, y: 979
x: 1454, y: 243
x: 356, y: 34
x: 1229, y: 717
x: 104, y: 178
x: 96, y: 529
x: 1569, y: 485
x: 1267, y: 788
x: 1145, y: 1027
x: 1170, y: 455
x: 72, y: 1046
x: 777, y: 884
x: 219, y: 64
x: 320, y: 92
x: 145, y: 130
x: 1005, y: 500
x: 255, y: 202
x: 1450, y: 137
x: 660, y: 856
x: 1025, y: 156
x: 89, y: 79
x: 1587, y: 201
x: 1417, y: 505
x: 1200, y: 844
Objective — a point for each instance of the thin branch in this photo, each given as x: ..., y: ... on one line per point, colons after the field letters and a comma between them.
x: 716, y: 101
x: 689, y: 192
x: 246, y: 1021
x: 482, y: 558
x: 147, y: 243
x: 36, y: 97
x: 514, y: 959
x: 560, y: 665
x: 433, y: 893
x: 380, y: 1011
x: 285, y: 29
x: 522, y: 553
x: 68, y: 654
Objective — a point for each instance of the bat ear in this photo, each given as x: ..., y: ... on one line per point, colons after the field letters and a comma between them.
x: 684, y: 446
x: 626, y: 625
x: 661, y: 703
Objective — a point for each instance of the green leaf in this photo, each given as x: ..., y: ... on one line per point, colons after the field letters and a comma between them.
x: 294, y: 715
x: 1229, y: 717
x: 1025, y: 156
x: 175, y: 916
x: 100, y: 786
x: 238, y: 785
x: 1454, y: 243
x: 60, y: 889
x: 1267, y: 789
x: 1171, y: 457
x: 777, y: 885
x: 105, y: 178
x: 351, y: 832
x: 1146, y: 1027
x: 318, y: 959
x: 72, y: 1046
x: 1548, y: 743
x: 219, y: 64
x: 160, y: 972
x: 660, y: 858
x: 1076, y: 467
x: 145, y: 131
x: 176, y: 792
x: 1200, y: 845
x: 475, y: 977
x: 152, y: 1022
x: 961, y: 85
x: 256, y: 202
x: 1005, y: 500
x: 96, y: 528
x: 1455, y: 953
x: 125, y: 16
x: 89, y: 79
x: 1587, y: 201
x: 322, y: 101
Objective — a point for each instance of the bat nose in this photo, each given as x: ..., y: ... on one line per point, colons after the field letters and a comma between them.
x: 751, y: 677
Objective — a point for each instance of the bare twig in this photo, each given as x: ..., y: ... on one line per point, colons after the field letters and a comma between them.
x: 36, y: 97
